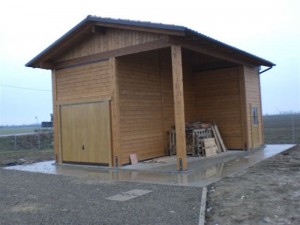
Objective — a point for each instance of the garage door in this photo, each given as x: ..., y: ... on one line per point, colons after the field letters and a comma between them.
x: 85, y: 133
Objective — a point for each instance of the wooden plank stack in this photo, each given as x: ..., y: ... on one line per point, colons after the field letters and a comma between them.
x: 202, y: 139
x: 218, y: 138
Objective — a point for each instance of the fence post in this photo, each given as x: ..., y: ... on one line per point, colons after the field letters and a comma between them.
x: 15, y: 142
x: 39, y: 141
x: 293, y: 128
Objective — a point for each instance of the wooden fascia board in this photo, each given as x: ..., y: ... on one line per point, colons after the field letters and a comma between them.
x: 204, y: 50
x: 158, y: 44
x: 141, y: 28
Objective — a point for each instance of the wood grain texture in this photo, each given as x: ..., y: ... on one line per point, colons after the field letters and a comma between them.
x: 243, y: 100
x: 84, y: 82
x: 179, y: 107
x: 85, y: 130
x: 252, y: 89
x: 138, y: 48
x: 57, y: 152
x: 111, y: 39
x: 115, y: 114
x: 218, y: 100
x: 140, y: 106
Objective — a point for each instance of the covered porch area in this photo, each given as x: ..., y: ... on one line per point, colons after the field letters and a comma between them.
x: 167, y: 87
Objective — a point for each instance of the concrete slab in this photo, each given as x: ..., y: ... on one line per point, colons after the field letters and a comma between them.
x: 202, y: 171
x: 125, y: 196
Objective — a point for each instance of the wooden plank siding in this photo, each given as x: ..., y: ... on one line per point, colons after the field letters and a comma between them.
x: 56, y: 122
x: 141, y: 122
x: 167, y: 93
x: 84, y: 82
x: 109, y: 39
x: 218, y: 100
x: 77, y: 85
x: 190, y: 90
x: 253, y: 96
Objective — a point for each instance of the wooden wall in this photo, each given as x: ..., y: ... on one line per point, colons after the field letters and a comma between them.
x: 218, y: 100
x: 83, y: 82
x: 190, y: 88
x: 146, y: 101
x: 109, y: 39
x: 167, y: 93
x: 253, y: 99
x: 141, y: 118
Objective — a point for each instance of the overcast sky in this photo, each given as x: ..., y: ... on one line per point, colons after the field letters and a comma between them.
x: 267, y: 28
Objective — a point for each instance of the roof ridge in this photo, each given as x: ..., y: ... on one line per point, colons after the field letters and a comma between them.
x: 137, y: 23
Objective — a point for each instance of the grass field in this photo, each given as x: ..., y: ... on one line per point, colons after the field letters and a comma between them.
x: 16, y: 130
x: 278, y: 129
x: 282, y: 129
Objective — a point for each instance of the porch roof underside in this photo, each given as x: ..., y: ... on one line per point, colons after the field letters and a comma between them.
x: 176, y: 35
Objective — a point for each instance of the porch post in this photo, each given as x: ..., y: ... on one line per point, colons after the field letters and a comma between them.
x: 115, y: 115
x: 179, y: 106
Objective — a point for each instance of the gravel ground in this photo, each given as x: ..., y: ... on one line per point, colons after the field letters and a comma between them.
x: 267, y: 193
x: 33, y: 198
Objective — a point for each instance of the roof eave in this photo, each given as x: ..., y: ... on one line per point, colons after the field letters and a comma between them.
x: 106, y: 22
x: 259, y: 61
x: 35, y: 61
x: 82, y: 28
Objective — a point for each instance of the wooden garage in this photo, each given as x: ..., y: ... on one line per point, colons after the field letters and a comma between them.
x: 119, y: 86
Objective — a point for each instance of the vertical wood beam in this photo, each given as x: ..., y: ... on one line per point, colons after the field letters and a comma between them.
x: 115, y: 114
x: 179, y: 106
x: 260, y: 121
x: 244, y: 111
x: 56, y: 125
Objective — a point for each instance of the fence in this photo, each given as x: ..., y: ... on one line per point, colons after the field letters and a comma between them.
x: 34, y: 141
x: 282, y: 128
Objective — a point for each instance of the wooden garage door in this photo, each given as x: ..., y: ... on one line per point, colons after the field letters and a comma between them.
x: 85, y: 133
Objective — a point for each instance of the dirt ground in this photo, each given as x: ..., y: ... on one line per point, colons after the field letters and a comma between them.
x: 12, y: 158
x: 267, y: 193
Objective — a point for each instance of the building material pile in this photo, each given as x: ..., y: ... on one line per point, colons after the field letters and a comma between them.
x: 202, y: 139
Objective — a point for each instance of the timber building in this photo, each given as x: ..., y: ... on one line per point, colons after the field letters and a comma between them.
x: 120, y: 85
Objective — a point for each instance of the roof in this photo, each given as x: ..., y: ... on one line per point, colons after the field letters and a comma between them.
x: 181, y: 32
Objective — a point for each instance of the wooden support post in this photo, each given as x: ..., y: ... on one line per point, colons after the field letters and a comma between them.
x: 115, y: 115
x: 56, y: 126
x: 179, y: 106
x: 244, y: 113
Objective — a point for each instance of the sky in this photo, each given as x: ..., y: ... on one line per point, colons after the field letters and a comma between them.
x: 267, y: 28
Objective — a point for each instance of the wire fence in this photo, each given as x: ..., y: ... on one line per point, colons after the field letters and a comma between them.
x: 278, y: 129
x: 282, y: 128
x: 33, y: 141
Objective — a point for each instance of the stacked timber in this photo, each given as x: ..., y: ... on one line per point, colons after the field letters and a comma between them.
x: 202, y: 139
